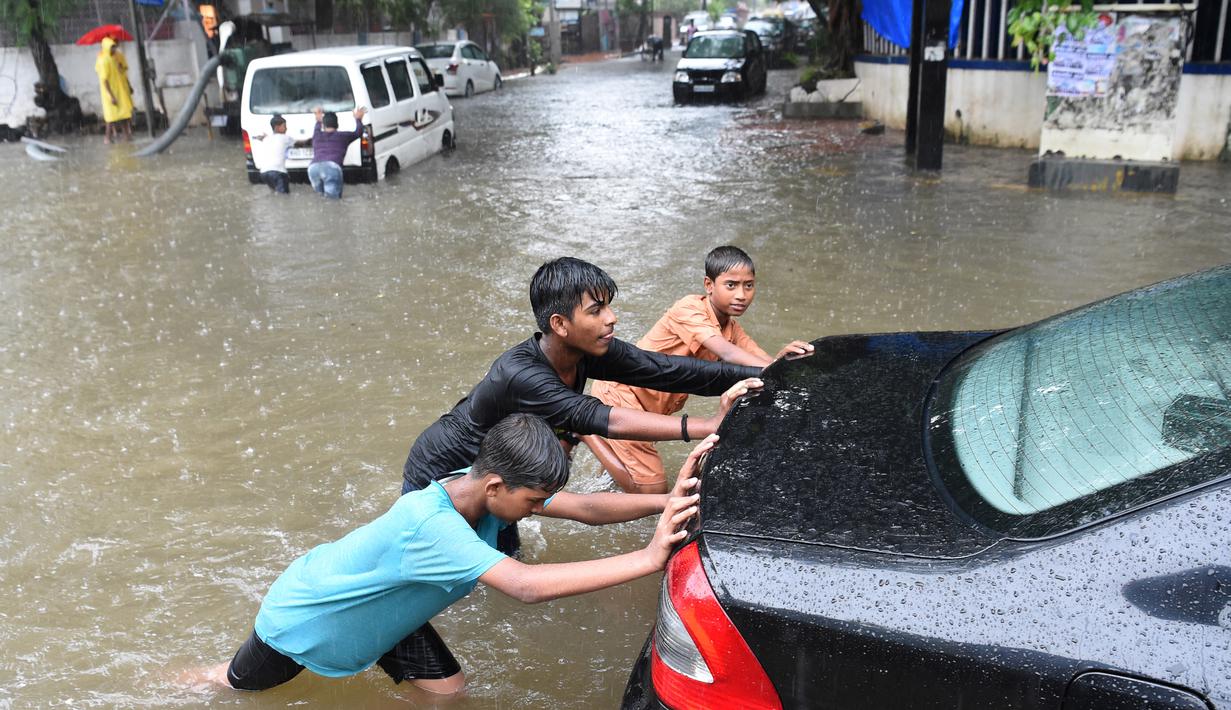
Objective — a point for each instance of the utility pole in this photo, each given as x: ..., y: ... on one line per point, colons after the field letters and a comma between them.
x: 145, y: 75
x: 929, y: 72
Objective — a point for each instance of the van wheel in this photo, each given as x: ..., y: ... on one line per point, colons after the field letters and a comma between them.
x: 469, y: 88
x: 499, y: 83
x: 391, y: 168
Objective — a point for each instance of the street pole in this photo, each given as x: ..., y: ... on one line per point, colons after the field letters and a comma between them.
x: 933, y: 73
x: 912, y: 91
x: 141, y: 64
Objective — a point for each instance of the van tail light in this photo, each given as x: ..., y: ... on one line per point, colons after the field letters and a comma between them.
x: 367, y: 146
x: 247, y: 144
x: 698, y: 659
x: 452, y: 68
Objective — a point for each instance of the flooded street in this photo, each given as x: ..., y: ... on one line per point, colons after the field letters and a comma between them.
x: 200, y: 381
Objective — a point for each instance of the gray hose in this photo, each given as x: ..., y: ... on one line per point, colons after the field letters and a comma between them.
x: 181, y: 120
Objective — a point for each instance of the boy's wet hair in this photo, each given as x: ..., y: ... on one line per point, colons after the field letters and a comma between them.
x: 276, y: 121
x: 558, y: 285
x: 524, y: 451
x: 330, y: 120
x: 723, y: 259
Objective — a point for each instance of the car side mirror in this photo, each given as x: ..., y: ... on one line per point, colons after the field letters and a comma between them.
x: 438, y: 81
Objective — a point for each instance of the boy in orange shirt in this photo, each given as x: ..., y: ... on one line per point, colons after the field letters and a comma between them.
x: 699, y: 326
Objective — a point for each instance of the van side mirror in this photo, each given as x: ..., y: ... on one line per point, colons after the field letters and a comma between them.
x: 438, y: 81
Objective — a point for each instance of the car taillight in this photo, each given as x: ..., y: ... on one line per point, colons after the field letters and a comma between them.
x: 247, y: 144
x: 452, y: 68
x: 699, y: 660
x: 366, y: 145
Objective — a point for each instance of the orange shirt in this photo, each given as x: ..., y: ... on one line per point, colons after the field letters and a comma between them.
x: 681, y: 331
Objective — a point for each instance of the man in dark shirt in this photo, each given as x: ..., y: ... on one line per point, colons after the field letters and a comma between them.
x: 546, y: 374
x: 329, y: 150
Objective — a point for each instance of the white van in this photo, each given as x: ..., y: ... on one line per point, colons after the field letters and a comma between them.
x: 408, y: 116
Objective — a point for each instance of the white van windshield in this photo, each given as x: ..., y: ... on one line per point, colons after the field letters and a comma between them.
x: 300, y: 89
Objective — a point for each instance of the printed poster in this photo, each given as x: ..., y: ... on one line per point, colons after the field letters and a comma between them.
x: 1083, y: 67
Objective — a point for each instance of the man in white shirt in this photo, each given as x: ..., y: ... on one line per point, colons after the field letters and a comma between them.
x: 269, y: 155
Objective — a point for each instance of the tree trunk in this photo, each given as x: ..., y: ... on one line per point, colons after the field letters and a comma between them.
x: 63, y: 111
x: 845, y: 32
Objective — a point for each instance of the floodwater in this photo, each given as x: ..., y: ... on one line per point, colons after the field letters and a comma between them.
x: 200, y: 381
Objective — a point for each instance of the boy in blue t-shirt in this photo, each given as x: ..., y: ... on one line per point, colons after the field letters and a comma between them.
x: 367, y: 598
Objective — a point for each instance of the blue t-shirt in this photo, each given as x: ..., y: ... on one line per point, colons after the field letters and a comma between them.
x: 339, y: 608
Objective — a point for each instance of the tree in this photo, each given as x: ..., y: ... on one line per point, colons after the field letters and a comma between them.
x: 33, y: 22
x: 845, y: 32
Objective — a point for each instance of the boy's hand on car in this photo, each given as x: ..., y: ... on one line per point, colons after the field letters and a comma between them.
x: 794, y: 349
x: 688, y: 481
x: 739, y: 389
x: 319, y: 113
x: 359, y: 113
x: 669, y: 533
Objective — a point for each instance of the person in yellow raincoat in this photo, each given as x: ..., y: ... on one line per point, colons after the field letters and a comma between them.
x: 116, y: 92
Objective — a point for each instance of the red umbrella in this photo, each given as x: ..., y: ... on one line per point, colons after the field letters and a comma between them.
x: 96, y: 35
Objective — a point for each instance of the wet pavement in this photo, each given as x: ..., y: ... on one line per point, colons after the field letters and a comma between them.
x: 201, y: 381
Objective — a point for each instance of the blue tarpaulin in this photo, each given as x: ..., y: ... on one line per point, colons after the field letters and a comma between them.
x: 891, y: 20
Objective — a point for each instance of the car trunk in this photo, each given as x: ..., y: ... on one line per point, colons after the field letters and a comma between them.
x: 834, y: 445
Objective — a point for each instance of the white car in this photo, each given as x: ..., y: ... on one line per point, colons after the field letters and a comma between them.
x: 465, y: 67
x: 408, y: 119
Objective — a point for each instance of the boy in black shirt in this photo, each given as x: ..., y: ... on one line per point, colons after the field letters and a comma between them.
x: 546, y: 374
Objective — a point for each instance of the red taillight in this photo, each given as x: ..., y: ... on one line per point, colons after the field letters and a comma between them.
x: 366, y: 145
x: 737, y: 678
x: 452, y: 68
x: 247, y: 144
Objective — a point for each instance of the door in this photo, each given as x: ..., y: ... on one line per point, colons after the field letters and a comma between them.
x: 405, y: 146
x: 487, y: 68
x: 430, y: 105
x: 472, y: 67
x: 382, y: 112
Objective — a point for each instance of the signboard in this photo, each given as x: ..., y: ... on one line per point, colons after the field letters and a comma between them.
x: 1083, y: 67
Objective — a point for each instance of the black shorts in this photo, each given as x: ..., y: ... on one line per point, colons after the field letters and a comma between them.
x: 422, y: 655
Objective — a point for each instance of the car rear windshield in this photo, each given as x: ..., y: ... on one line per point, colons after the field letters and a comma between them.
x: 1092, y: 412
x: 436, y: 51
x: 762, y: 27
x: 715, y: 47
x: 300, y: 89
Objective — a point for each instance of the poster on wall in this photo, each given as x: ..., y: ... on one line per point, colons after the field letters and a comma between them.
x: 1083, y: 67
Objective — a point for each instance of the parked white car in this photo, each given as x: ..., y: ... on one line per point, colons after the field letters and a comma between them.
x: 408, y: 118
x: 465, y: 67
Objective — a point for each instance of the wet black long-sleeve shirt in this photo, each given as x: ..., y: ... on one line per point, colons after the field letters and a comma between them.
x: 523, y: 380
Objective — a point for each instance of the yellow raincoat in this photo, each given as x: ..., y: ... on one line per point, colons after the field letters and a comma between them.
x: 110, y: 75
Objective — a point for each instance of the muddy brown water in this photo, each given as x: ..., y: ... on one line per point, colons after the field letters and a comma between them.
x: 200, y: 381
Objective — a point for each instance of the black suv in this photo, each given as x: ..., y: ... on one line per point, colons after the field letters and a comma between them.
x: 1033, y: 518
x: 722, y: 64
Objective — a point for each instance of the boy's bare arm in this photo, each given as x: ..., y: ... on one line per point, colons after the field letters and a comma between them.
x: 647, y: 426
x: 732, y: 353
x: 604, y: 508
x: 539, y: 583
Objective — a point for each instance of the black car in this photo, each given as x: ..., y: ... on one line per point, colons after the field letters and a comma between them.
x: 723, y: 64
x: 777, y: 35
x: 1032, y: 518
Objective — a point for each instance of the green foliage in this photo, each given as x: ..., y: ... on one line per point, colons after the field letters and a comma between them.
x: 551, y: 67
x: 789, y: 59
x: 512, y: 17
x: 715, y: 9
x: 25, y: 18
x: 1033, y: 24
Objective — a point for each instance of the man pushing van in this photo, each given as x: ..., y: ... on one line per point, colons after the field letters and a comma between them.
x: 329, y: 150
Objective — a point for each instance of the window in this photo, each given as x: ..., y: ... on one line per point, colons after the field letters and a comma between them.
x: 436, y: 51
x: 715, y: 47
x: 300, y: 89
x: 378, y: 90
x: 1092, y: 412
x: 479, y: 54
x: 423, y: 76
x: 468, y: 52
x: 399, y: 77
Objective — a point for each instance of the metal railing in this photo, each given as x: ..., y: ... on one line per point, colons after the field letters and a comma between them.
x: 984, y: 32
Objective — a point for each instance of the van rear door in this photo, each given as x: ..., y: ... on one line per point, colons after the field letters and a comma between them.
x: 384, y: 114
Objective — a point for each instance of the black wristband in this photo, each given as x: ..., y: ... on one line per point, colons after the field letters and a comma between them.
x: 684, y: 428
